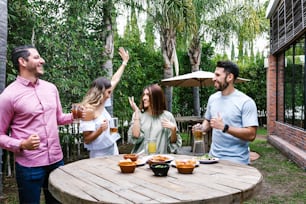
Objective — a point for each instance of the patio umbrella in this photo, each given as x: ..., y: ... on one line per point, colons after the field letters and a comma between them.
x: 194, y: 79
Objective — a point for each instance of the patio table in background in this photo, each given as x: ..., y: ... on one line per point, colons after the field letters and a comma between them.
x: 99, y: 180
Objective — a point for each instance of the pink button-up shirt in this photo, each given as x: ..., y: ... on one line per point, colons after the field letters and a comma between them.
x: 26, y: 109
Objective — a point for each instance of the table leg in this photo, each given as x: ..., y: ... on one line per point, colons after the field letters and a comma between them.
x: 190, y: 137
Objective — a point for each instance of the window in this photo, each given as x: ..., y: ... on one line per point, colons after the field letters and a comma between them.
x: 294, y: 84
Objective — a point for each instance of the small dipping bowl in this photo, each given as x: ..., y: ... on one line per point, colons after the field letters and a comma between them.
x: 132, y: 157
x: 185, y: 168
x: 160, y: 169
x: 127, y: 167
x: 152, y: 161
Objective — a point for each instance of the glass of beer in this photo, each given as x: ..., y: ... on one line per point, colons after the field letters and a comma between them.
x: 75, y: 112
x: 198, y: 133
x: 113, y: 125
x: 152, y: 146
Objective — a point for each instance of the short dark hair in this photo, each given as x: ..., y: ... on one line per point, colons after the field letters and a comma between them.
x: 157, y: 99
x: 229, y: 67
x: 20, y: 51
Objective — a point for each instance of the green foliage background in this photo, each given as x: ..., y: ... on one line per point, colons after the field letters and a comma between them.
x: 72, y: 46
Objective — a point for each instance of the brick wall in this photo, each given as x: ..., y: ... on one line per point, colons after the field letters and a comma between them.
x: 275, y: 118
x: 271, y: 94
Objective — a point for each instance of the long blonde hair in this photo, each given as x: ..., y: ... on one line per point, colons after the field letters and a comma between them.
x: 94, y: 95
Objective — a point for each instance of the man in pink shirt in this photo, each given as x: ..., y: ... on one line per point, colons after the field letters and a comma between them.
x: 30, y: 112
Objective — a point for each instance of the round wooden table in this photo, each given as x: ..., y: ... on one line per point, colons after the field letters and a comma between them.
x: 100, y: 180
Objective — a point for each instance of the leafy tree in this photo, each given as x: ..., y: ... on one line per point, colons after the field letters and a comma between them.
x: 132, y: 31
x: 183, y: 98
x: 232, y: 51
x: 70, y: 44
x: 170, y: 17
x: 249, y: 24
x: 20, y: 30
x: 211, y: 9
x: 143, y: 69
x: 149, y: 32
x: 107, y: 38
x: 255, y: 71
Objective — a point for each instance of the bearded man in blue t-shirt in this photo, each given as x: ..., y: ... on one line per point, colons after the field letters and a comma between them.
x: 231, y: 115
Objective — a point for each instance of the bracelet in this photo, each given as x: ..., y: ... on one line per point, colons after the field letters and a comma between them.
x: 124, y: 63
x: 136, y: 119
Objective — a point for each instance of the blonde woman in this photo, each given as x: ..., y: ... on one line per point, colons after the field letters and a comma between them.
x: 96, y: 132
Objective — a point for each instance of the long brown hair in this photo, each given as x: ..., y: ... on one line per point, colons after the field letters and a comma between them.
x: 157, y: 99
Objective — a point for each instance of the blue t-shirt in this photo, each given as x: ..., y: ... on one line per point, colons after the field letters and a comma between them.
x: 236, y: 110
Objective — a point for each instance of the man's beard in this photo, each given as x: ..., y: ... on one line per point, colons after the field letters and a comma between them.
x: 222, y: 86
x: 38, y: 75
x: 34, y: 71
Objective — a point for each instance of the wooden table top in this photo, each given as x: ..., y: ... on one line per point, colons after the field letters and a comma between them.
x: 100, y: 180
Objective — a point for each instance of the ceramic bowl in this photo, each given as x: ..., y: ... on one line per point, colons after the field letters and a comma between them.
x: 151, y: 162
x: 132, y: 157
x: 185, y: 168
x: 160, y: 169
x: 127, y: 167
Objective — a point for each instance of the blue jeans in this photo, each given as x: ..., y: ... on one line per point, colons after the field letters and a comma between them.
x: 30, y: 180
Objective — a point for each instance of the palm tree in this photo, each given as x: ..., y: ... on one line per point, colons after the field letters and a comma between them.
x: 218, y: 19
x: 3, y: 50
x: 171, y: 16
x: 108, y: 40
x: 205, y: 11
x: 250, y: 24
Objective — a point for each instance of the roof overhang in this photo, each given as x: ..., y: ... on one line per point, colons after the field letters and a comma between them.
x: 271, y: 8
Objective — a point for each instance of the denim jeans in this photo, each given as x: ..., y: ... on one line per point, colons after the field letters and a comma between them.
x: 30, y: 180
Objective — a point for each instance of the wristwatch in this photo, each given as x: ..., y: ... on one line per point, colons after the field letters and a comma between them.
x: 225, y: 129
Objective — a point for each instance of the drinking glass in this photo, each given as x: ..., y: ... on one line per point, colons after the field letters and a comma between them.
x: 76, y: 112
x: 152, y: 146
x: 198, y: 133
x: 113, y: 125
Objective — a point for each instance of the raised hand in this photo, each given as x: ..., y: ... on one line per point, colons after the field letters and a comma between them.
x: 133, y: 104
x: 124, y: 55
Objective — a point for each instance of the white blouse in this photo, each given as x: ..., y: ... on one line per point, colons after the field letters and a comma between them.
x: 105, y: 144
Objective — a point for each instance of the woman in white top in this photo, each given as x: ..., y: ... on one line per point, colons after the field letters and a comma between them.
x: 96, y: 132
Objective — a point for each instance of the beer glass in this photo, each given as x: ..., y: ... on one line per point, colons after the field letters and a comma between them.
x: 113, y: 125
